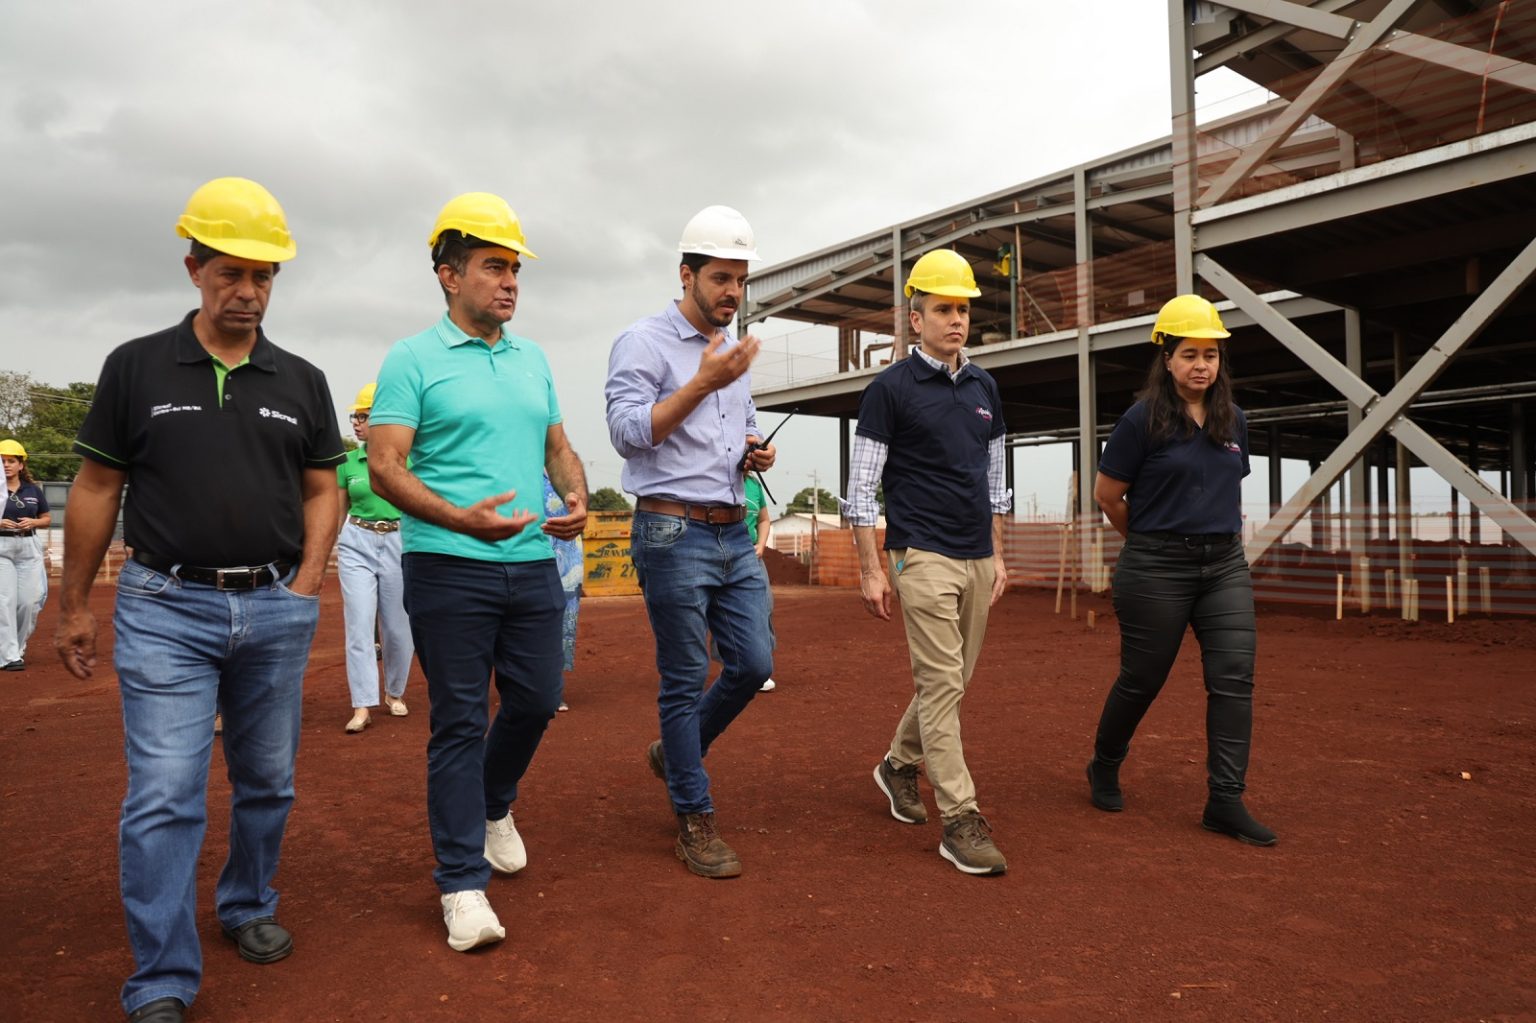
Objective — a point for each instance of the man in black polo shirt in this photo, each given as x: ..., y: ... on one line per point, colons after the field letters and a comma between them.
x: 931, y: 428
x: 230, y: 446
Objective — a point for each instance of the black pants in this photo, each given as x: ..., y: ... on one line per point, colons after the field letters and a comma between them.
x: 1162, y: 585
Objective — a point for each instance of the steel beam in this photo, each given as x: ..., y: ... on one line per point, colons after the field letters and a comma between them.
x: 1297, y: 15
x: 801, y: 297
x: 1504, y: 70
x: 1087, y: 380
x: 1359, y: 502
x: 1383, y: 413
x: 1497, y: 156
x: 1316, y: 357
x: 1360, y: 43
x: 1214, y: 58
x: 1186, y: 167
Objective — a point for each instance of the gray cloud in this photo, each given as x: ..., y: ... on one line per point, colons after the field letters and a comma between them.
x: 605, y: 124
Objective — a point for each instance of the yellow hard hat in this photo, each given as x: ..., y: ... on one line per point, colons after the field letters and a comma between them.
x: 484, y: 216
x: 239, y: 218
x: 13, y: 448
x: 942, y: 272
x: 364, y: 397
x: 1187, y: 316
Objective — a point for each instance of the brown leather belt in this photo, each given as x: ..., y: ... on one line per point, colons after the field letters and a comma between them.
x: 710, y: 513
x: 375, y: 525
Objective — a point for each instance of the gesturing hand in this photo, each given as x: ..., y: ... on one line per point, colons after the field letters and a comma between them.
x: 482, y: 521
x: 570, y: 525
x: 719, y: 368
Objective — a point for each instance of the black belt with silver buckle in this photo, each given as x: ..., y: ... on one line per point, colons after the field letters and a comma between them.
x: 375, y: 525
x: 19, y: 532
x: 245, y: 577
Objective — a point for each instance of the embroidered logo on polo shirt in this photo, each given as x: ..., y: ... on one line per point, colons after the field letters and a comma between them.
x: 267, y: 413
x: 160, y: 410
x: 984, y: 412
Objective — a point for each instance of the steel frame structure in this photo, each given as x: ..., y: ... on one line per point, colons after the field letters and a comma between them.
x: 1352, y: 191
x: 1240, y: 208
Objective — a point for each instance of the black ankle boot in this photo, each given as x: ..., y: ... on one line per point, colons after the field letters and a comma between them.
x: 1230, y: 817
x: 1104, y: 785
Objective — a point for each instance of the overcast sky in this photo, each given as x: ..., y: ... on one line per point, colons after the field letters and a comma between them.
x: 605, y: 124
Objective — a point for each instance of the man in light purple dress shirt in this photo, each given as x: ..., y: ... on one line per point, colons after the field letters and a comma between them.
x: 680, y: 413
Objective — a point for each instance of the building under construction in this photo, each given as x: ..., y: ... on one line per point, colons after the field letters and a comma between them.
x: 1367, y: 233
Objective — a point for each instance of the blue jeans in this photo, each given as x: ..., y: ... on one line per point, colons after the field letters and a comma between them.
x: 368, y: 565
x: 469, y: 619
x: 21, y: 576
x: 181, y: 649
x: 701, y: 579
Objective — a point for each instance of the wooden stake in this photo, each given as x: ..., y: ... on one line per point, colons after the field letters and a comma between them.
x: 1389, y: 589
x: 1450, y: 600
x: 1090, y: 619
x: 1338, y: 597
x: 1485, y: 584
x: 1365, y: 585
x: 1061, y: 568
x: 1461, y: 584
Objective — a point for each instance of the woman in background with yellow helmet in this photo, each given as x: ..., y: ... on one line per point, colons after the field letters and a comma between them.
x: 368, y: 565
x: 21, y: 567
x: 1170, y: 482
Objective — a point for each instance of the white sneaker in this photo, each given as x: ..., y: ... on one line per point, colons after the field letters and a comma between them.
x: 471, y: 920
x: 504, y: 848
x: 768, y: 686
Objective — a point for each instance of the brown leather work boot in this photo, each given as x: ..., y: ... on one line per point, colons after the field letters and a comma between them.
x: 702, y: 849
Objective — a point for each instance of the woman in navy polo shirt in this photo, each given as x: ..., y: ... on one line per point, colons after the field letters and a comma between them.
x: 21, y: 566
x: 1170, y: 481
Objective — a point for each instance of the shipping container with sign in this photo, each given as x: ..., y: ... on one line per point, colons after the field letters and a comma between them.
x: 605, y: 545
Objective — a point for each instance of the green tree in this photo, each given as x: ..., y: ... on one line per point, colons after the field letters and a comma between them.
x: 51, y: 421
x: 825, y: 499
x: 607, y: 499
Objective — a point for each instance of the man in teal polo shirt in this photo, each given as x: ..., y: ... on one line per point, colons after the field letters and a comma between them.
x: 474, y: 408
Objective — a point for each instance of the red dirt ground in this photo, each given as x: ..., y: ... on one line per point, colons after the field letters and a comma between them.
x: 1399, y: 889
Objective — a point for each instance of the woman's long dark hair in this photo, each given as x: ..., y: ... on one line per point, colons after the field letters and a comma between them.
x: 1166, y: 415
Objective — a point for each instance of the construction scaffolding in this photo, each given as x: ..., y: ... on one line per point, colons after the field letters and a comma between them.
x: 1367, y: 233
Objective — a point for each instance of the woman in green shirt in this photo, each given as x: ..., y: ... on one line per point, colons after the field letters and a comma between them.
x: 368, y: 562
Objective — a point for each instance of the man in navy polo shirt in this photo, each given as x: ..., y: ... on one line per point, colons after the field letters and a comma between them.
x: 474, y: 407
x: 931, y: 428
x: 229, y: 446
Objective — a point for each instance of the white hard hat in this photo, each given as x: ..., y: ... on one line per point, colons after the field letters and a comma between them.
x: 720, y: 232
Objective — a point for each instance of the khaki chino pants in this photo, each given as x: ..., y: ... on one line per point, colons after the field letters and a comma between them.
x: 944, y: 604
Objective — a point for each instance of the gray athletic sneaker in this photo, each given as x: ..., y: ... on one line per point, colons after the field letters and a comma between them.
x: 900, y: 786
x: 968, y: 845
